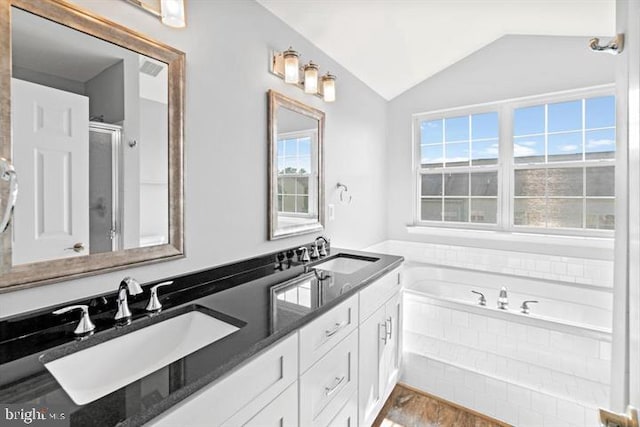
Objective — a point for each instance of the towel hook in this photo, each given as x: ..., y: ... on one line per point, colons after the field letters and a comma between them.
x: 614, y: 47
x: 345, y: 197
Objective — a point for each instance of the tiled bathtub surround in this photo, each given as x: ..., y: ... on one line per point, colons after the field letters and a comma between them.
x: 550, y: 368
x: 598, y: 272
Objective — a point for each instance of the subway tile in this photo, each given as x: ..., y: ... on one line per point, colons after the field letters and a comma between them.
x: 518, y: 396
x: 544, y: 403
x: 464, y: 396
x: 576, y: 270
x: 496, y: 388
x: 543, y: 266
x: 529, y: 418
x: 571, y: 412
x: 486, y: 404
x: 497, y: 326
x: 477, y: 322
x: 605, y: 350
x: 460, y: 318
x: 591, y: 418
x: 506, y: 412
x: 538, y: 336
x: 476, y: 382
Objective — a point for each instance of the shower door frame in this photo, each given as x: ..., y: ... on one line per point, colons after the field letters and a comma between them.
x: 116, y: 191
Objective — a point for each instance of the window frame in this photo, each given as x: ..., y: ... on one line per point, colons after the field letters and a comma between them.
x: 312, y: 175
x: 505, y: 166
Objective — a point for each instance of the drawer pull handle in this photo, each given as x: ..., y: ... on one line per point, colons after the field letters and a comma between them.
x: 385, y: 335
x: 328, y: 391
x: 336, y: 328
x: 390, y: 328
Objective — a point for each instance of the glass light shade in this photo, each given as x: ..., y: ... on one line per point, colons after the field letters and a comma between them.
x: 291, y: 66
x: 329, y: 87
x: 311, y: 78
x: 172, y: 13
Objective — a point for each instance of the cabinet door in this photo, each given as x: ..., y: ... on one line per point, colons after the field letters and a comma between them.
x: 393, y: 348
x: 372, y: 346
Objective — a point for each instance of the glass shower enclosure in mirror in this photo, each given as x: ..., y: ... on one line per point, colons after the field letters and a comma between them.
x: 296, y: 203
x: 96, y: 142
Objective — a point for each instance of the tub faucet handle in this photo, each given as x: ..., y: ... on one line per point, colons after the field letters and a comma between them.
x: 524, y: 308
x: 481, y: 299
x: 503, y: 301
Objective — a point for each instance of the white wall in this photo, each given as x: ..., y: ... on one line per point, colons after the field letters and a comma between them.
x: 511, y: 67
x: 227, y: 46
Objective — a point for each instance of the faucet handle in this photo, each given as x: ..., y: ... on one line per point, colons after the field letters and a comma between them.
x: 314, y: 251
x: 481, y: 300
x: 85, y: 325
x: 304, y: 254
x: 525, y: 306
x: 154, y: 302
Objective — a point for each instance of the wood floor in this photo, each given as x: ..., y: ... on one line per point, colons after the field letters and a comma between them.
x: 407, y: 407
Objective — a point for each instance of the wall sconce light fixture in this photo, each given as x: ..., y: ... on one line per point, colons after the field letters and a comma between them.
x: 170, y: 12
x: 286, y: 65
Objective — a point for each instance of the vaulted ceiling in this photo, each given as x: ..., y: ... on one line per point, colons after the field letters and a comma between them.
x: 392, y: 45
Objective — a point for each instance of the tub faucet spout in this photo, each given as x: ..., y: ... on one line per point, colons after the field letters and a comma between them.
x: 503, y: 301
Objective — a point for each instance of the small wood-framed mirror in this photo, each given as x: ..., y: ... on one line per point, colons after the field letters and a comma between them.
x: 296, y: 167
x: 91, y: 120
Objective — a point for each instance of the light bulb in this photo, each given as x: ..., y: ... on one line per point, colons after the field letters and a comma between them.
x: 329, y: 87
x: 291, y: 66
x: 172, y: 13
x: 311, y: 78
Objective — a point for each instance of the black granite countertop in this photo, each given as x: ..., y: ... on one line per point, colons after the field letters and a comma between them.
x: 240, y: 292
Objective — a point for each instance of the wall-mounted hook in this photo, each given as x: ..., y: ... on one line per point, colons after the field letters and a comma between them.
x: 614, y: 47
x: 132, y: 143
x: 345, y: 197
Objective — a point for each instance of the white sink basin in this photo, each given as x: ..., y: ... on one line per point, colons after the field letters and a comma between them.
x: 97, y: 371
x: 345, y: 265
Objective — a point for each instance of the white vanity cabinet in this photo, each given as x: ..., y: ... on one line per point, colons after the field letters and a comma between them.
x: 336, y: 371
x: 379, y: 344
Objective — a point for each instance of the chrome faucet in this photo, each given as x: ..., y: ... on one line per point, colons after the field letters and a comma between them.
x: 524, y: 308
x: 503, y: 301
x: 130, y: 285
x: 322, y: 245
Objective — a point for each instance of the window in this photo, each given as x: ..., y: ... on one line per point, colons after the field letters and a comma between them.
x: 533, y: 164
x: 459, y: 163
x: 295, y: 172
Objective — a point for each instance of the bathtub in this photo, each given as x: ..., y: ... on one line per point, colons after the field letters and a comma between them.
x: 576, y: 306
x: 547, y: 368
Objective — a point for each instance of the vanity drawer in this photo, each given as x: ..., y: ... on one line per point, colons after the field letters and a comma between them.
x: 258, y: 382
x: 319, y: 336
x: 281, y: 412
x: 327, y: 386
x: 348, y: 415
x: 377, y: 293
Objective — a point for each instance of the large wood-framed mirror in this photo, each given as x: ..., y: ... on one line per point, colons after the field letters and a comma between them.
x: 296, y: 167
x: 91, y: 119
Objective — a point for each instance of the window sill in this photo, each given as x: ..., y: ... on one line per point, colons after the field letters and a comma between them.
x: 547, y: 244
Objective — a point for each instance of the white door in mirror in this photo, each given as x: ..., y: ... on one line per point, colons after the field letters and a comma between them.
x: 51, y: 155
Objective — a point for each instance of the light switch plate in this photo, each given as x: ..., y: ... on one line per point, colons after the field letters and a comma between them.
x: 331, y: 212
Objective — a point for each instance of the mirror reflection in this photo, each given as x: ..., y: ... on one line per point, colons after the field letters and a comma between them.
x: 296, y: 167
x: 90, y: 144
